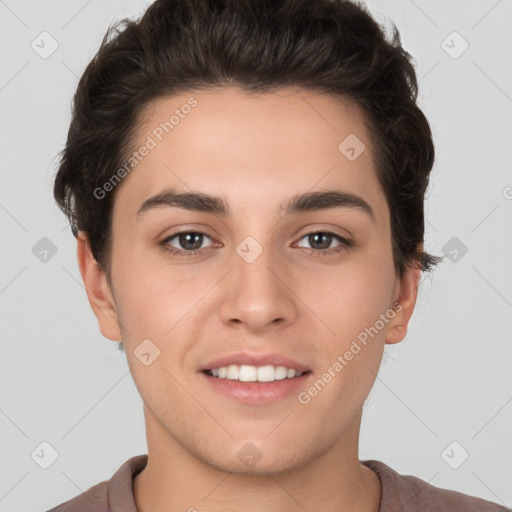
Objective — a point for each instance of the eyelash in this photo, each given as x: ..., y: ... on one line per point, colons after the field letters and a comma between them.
x: 344, y: 245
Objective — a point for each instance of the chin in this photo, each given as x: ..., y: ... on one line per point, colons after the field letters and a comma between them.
x: 256, y: 457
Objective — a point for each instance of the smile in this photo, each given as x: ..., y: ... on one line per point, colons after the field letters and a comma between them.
x: 248, y: 373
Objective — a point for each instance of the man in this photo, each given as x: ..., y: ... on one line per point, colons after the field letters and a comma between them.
x: 246, y: 182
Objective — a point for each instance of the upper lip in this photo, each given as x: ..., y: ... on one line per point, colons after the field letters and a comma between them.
x: 254, y: 359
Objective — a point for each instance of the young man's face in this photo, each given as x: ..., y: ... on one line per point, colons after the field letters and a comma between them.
x: 260, y: 286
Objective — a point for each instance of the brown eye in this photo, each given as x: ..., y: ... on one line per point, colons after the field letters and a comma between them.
x: 186, y: 243
x: 190, y: 241
x: 320, y: 242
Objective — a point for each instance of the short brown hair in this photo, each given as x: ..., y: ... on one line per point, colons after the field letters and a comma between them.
x: 331, y: 46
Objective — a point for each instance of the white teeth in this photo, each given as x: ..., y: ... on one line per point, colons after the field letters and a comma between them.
x: 280, y: 372
x: 266, y: 373
x: 232, y: 372
x: 247, y: 373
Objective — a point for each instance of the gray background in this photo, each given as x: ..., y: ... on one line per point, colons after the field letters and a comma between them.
x: 449, y: 380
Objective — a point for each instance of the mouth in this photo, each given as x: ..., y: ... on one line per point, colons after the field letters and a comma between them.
x: 249, y: 373
x: 255, y: 385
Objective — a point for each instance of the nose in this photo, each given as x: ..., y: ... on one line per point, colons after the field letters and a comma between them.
x: 258, y: 295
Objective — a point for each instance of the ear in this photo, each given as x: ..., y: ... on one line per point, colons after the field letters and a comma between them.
x: 406, y: 293
x: 98, y: 291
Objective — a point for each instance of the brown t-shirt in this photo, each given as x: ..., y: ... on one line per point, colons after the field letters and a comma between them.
x: 400, y: 493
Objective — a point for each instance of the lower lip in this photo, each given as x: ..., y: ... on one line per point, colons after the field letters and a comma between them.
x: 257, y: 393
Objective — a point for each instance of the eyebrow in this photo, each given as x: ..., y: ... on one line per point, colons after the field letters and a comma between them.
x: 307, y: 202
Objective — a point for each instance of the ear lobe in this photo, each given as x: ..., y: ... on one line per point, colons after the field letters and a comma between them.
x: 98, y: 291
x: 405, y: 302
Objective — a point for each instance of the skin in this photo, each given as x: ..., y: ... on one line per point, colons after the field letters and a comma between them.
x: 255, y: 152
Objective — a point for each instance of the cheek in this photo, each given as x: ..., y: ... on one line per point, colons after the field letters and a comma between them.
x: 352, y: 299
x: 352, y: 352
x: 139, y: 296
x: 155, y: 300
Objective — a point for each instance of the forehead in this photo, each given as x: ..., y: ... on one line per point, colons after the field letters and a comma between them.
x: 260, y: 147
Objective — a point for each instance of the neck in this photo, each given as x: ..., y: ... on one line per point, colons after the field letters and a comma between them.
x: 175, y: 479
